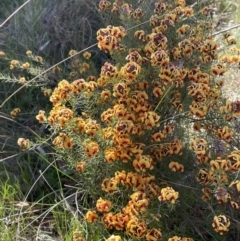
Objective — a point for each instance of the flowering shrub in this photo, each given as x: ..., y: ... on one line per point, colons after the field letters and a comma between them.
x: 151, y: 133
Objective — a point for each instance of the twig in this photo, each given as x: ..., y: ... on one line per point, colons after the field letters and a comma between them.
x: 226, y: 29
x: 14, y: 13
x: 44, y: 72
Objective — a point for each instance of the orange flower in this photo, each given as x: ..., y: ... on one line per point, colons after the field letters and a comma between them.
x: 218, y: 69
x: 91, y: 148
x: 188, y: 11
x: 91, y: 127
x: 86, y: 55
x: 175, y: 238
x: 120, y: 177
x: 91, y: 216
x: 153, y: 234
x: 235, y: 184
x: 199, y: 146
x: 130, y: 70
x: 134, y: 56
x: 105, y: 95
x: 23, y: 143
x: 219, y: 164
x: 159, y: 58
x: 225, y: 133
x: 15, y: 112
x: 103, y: 205
x: 150, y: 119
x: 41, y: 116
x: 114, y: 238
x: 109, y: 185
x: 139, y: 201
x: 234, y: 161
x: 104, y: 5
x: 136, y: 228
x: 142, y: 162
x: 206, y: 194
x: 123, y: 140
x: 204, y: 176
x: 133, y: 179
x: 110, y: 154
x: 77, y: 236
x: 25, y: 65
x: 221, y: 224
x: 175, y: 166
x: 140, y: 34
x: 158, y: 136
x: 80, y: 166
x: 168, y: 194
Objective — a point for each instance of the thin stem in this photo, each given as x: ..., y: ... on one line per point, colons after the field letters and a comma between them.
x: 44, y: 72
x: 226, y: 29
x: 17, y: 10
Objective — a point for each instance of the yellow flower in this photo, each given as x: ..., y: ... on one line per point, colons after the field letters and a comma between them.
x: 81, y: 166
x: 29, y: 53
x: 47, y: 92
x: 25, y: 65
x: 15, y: 112
x: 150, y: 119
x: 23, y: 143
x: 41, y: 116
x: 142, y: 162
x: 235, y: 184
x: 218, y: 69
x: 175, y: 166
x: 153, y: 234
x: 175, y: 238
x: 168, y: 194
x: 135, y: 228
x: 130, y: 70
x: 219, y: 164
x: 140, y: 34
x: 104, y: 5
x: 109, y: 185
x: 14, y: 63
x: 221, y: 224
x: 86, y: 55
x: 103, y: 205
x: 2, y: 54
x: 91, y: 148
x: 72, y: 52
x: 114, y: 238
x: 91, y: 216
x: 110, y: 154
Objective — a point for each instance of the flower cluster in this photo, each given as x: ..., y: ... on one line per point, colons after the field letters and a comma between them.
x: 131, y: 123
x: 108, y: 38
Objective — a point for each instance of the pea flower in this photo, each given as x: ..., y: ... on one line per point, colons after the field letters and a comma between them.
x: 103, y: 205
x: 91, y: 216
x: 114, y: 238
x: 15, y: 112
x: 91, y: 148
x: 81, y: 166
x: 221, y: 224
x: 175, y: 166
x: 168, y: 194
x: 153, y: 234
